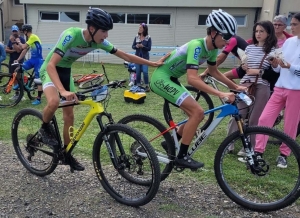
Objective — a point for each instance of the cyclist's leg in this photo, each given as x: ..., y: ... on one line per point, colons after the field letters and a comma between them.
x: 235, y: 73
x: 37, y: 65
x: 170, y: 89
x: 49, y: 110
x: 68, y: 117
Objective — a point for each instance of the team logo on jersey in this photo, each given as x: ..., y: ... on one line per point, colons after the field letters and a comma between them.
x: 67, y: 39
x: 82, y: 46
x: 197, y: 53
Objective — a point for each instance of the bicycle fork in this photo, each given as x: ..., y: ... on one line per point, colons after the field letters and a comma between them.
x: 256, y: 165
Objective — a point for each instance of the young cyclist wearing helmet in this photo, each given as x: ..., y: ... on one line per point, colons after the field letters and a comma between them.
x: 56, y: 75
x: 186, y: 60
x: 36, y: 60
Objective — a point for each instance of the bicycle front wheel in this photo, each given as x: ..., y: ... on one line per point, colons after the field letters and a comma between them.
x: 204, y: 101
x: 36, y: 157
x: 119, y: 169
x: 274, y: 188
x: 8, y: 96
x: 163, y: 146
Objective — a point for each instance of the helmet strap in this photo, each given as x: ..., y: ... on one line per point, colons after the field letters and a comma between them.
x: 92, y: 34
x: 213, y: 40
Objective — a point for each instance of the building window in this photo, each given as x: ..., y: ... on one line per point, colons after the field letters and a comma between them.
x: 59, y: 16
x: 137, y: 18
x: 118, y: 17
x: 17, y: 2
x: 49, y: 16
x: 202, y: 20
x: 240, y: 19
x: 69, y: 17
x: 160, y: 19
x: 141, y: 18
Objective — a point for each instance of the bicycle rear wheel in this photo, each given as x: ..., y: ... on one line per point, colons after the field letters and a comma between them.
x: 271, y: 190
x: 204, y: 101
x: 36, y: 157
x: 8, y: 96
x: 118, y: 169
x: 95, y: 81
x: 151, y: 128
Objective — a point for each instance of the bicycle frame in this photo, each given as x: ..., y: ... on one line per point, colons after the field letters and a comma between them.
x: 225, y: 110
x: 96, y: 108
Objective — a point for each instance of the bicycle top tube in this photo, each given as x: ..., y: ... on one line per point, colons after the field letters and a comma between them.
x: 226, y: 109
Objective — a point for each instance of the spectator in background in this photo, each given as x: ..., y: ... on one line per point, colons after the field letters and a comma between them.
x: 13, y: 48
x: 264, y: 42
x: 2, y: 53
x: 142, y: 45
x: 286, y: 94
x: 280, y: 24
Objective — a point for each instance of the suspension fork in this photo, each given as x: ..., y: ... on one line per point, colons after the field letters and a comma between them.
x: 110, y: 147
x: 241, y: 127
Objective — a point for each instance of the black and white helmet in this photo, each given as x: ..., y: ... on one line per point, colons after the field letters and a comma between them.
x: 222, y: 22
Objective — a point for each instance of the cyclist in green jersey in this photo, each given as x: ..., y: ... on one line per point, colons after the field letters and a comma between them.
x: 56, y: 71
x: 186, y: 60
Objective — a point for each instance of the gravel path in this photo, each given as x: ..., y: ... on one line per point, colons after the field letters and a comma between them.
x: 63, y: 194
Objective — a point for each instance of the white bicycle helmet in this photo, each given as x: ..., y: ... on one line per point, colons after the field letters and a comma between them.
x: 222, y: 22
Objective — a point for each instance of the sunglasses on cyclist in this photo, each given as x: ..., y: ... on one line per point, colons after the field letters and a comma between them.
x: 225, y: 36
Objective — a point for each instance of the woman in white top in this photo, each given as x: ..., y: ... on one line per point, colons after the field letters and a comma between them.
x: 264, y: 42
x: 286, y: 93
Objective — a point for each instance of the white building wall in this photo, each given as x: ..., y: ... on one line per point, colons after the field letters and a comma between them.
x: 183, y: 28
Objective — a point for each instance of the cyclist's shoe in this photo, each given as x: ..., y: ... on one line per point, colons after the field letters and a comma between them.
x: 16, y: 87
x: 187, y: 162
x: 70, y: 160
x: 281, y: 162
x: 47, y: 137
x: 36, y: 102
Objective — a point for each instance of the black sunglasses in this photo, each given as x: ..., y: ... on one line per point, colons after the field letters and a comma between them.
x: 226, y: 36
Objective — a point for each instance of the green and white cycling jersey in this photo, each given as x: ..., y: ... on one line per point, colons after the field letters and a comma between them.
x: 71, y: 46
x: 164, y: 80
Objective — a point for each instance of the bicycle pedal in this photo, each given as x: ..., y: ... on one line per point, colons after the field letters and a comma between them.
x: 194, y: 170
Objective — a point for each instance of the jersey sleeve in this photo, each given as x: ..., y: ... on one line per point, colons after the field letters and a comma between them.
x: 194, y: 51
x: 64, y: 42
x: 107, y: 46
x: 228, y: 48
x: 32, y: 39
x: 212, y: 60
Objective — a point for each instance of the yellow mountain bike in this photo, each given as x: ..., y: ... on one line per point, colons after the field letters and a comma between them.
x: 128, y: 177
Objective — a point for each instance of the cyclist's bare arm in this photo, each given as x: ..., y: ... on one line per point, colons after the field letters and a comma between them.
x: 194, y: 80
x: 135, y: 59
x: 213, y: 70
